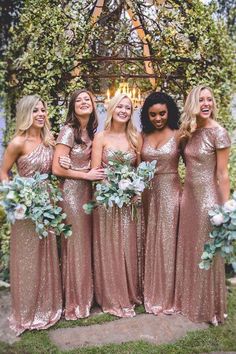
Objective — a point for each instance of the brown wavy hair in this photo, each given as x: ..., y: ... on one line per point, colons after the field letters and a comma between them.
x: 73, y: 121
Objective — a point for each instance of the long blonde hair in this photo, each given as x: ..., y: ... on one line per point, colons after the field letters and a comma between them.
x: 192, y: 109
x: 24, y: 118
x: 131, y: 131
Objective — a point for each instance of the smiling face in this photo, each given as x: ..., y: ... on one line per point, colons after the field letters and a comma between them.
x: 123, y: 110
x: 205, y: 104
x: 158, y: 115
x: 83, y: 105
x: 39, y: 115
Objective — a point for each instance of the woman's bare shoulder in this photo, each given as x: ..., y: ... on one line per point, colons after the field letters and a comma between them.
x: 18, y: 142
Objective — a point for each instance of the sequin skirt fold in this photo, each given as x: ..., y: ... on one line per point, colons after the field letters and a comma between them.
x: 115, y: 252
x: 35, y: 279
x: 200, y: 294
x: 76, y: 251
x: 161, y: 205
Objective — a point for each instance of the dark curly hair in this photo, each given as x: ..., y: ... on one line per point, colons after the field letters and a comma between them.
x: 162, y: 98
x: 73, y: 121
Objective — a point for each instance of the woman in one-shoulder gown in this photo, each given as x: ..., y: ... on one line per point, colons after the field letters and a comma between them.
x: 36, y: 297
x: 115, y: 234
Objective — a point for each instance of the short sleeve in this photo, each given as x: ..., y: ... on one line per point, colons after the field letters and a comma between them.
x: 222, y: 139
x: 66, y: 136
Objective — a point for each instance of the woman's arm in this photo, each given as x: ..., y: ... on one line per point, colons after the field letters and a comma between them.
x: 98, y: 144
x: 58, y: 170
x: 139, y: 148
x: 12, y: 153
x: 222, y: 157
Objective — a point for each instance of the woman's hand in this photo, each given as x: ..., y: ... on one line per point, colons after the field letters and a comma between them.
x: 95, y: 174
x: 65, y: 161
x: 136, y: 199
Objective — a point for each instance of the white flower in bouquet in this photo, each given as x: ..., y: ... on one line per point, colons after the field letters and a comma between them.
x: 11, y: 195
x: 230, y: 205
x: 217, y: 219
x: 124, y: 184
x: 138, y: 185
x: 20, y: 211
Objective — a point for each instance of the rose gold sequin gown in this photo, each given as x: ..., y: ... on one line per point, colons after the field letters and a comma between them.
x: 34, y: 266
x: 200, y: 294
x: 76, y: 250
x: 161, y: 205
x: 115, y: 251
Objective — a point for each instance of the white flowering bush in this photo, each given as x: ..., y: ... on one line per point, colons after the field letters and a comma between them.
x: 123, y: 182
x: 223, y: 235
x: 35, y: 198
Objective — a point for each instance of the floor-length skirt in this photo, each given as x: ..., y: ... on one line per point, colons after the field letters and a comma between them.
x: 76, y: 251
x: 200, y: 294
x: 161, y: 204
x: 35, y: 279
x: 116, y: 250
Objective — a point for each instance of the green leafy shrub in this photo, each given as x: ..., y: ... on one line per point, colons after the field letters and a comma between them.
x: 232, y: 168
x: 4, y: 246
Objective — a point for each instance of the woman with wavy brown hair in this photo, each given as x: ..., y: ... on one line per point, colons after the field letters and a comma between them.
x: 75, y: 139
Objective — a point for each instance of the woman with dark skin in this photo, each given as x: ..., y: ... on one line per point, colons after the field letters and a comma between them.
x: 159, y: 118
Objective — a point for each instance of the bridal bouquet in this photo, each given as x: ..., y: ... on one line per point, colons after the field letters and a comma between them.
x: 223, y: 235
x: 35, y: 199
x: 123, y: 182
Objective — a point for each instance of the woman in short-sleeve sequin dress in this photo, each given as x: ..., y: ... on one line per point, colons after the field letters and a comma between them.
x: 36, y: 296
x: 76, y: 250
x: 201, y: 294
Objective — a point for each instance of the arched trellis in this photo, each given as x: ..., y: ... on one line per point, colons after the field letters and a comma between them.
x: 145, y: 62
x: 146, y: 59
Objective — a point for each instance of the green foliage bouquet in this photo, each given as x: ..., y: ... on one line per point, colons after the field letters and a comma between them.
x: 123, y: 182
x: 223, y: 235
x: 35, y: 198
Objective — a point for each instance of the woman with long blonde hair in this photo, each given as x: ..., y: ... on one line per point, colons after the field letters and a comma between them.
x: 200, y: 294
x: 115, y: 234
x: 24, y: 119
x: 34, y: 266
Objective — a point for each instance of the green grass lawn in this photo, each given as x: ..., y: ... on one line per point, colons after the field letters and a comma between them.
x: 221, y: 338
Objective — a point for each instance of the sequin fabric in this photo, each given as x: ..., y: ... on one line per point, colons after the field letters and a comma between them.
x: 200, y: 294
x: 161, y: 206
x: 115, y: 251
x: 76, y: 250
x: 34, y: 266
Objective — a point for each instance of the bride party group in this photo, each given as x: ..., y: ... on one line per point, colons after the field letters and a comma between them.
x: 112, y: 259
